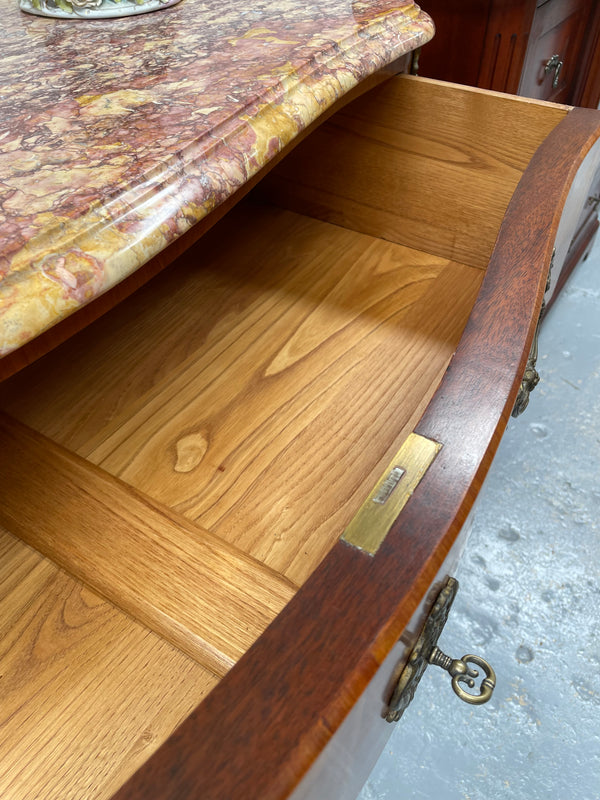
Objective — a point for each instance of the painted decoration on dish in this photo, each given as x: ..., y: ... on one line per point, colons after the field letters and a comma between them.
x: 92, y: 9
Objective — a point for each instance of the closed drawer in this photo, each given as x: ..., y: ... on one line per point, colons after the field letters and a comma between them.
x: 554, y: 50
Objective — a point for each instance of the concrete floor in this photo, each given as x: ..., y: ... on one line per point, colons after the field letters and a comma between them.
x: 529, y: 599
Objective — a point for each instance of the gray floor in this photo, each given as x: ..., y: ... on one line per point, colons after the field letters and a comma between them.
x: 529, y: 599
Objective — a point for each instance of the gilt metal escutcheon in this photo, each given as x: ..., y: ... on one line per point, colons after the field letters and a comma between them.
x: 531, y: 376
x: 427, y: 652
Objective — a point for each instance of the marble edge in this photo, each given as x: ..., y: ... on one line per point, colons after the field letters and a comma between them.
x: 173, y: 198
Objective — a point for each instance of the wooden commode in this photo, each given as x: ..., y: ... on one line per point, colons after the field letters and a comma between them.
x: 266, y: 306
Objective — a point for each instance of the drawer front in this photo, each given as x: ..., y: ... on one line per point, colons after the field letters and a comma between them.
x: 579, y: 221
x: 550, y: 68
x: 345, y: 764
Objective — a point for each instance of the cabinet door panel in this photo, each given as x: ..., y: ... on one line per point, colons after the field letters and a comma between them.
x: 457, y: 49
x: 557, y: 31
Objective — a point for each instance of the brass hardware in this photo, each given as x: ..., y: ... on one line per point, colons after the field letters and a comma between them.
x: 461, y: 673
x: 419, y: 657
x: 531, y: 376
x: 373, y: 520
x: 416, y: 57
x: 426, y: 652
x: 593, y: 201
x: 554, y: 63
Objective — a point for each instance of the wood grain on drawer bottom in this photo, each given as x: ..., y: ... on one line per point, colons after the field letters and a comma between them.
x: 87, y: 693
x: 261, y: 387
x: 183, y: 582
x: 258, y: 389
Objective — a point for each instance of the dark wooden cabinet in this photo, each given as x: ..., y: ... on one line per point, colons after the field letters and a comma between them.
x: 546, y: 49
x: 554, y: 52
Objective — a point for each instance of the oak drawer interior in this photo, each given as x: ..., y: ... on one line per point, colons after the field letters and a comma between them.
x: 191, y: 457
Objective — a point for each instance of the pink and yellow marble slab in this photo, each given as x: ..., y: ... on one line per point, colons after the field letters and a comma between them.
x: 116, y: 136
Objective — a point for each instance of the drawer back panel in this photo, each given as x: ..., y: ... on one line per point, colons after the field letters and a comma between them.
x: 423, y: 163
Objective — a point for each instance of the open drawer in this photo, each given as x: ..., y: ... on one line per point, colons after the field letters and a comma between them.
x: 176, y: 478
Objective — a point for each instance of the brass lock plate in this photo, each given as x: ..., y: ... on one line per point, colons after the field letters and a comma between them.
x: 368, y: 529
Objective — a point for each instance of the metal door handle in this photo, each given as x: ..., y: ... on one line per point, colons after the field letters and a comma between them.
x: 554, y: 63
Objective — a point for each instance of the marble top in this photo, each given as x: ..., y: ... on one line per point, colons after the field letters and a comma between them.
x: 116, y: 136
